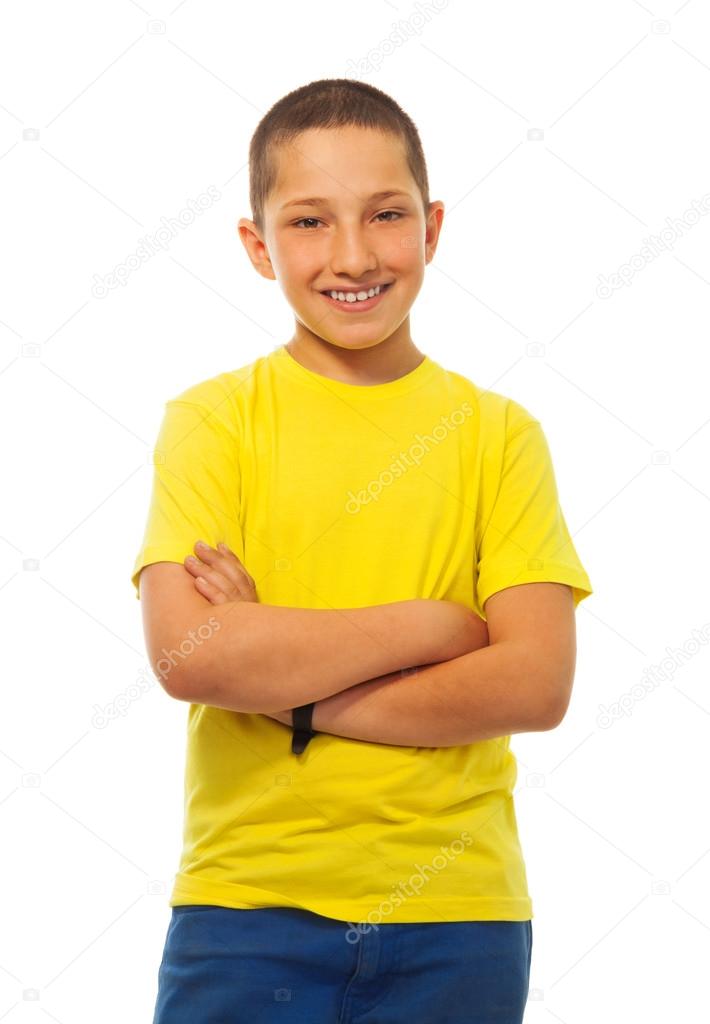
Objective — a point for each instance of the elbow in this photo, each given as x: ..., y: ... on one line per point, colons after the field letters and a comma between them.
x: 184, y: 667
x: 550, y: 717
x: 200, y: 678
x: 196, y: 664
x: 551, y: 712
x: 171, y: 671
x: 192, y: 645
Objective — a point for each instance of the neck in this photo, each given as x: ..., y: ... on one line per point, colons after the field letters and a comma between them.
x: 387, y: 361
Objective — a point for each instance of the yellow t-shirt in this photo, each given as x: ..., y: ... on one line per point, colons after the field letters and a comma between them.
x: 338, y: 495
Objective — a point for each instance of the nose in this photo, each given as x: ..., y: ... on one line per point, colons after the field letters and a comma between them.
x: 351, y: 253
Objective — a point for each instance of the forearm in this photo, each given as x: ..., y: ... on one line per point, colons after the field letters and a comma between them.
x: 262, y: 657
x: 478, y: 696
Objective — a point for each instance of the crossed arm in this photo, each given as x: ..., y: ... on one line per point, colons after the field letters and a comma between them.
x: 520, y: 683
x: 477, y: 696
x: 412, y: 673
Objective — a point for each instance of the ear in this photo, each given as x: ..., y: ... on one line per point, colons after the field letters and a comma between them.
x: 254, y: 243
x: 433, y: 229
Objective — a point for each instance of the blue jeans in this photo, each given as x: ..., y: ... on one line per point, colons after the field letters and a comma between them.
x: 226, y: 966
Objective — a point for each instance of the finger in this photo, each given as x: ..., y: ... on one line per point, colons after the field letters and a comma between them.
x: 229, y: 555
x: 213, y: 594
x: 197, y: 568
x: 226, y: 562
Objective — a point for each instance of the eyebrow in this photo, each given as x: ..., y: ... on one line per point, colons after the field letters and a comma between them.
x: 319, y: 201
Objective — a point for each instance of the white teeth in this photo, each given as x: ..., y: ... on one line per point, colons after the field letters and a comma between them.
x: 355, y: 296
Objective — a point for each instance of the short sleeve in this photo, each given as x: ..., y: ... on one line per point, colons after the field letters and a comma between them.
x: 525, y: 537
x: 196, y: 485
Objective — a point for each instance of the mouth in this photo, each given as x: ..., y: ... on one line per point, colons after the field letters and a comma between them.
x: 357, y: 305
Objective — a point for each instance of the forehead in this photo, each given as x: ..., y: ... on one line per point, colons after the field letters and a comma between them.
x: 344, y: 164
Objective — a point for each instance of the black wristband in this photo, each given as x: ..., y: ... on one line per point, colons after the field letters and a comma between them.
x: 302, y: 718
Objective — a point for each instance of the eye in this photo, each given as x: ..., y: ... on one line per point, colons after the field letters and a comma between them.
x: 314, y: 220
x: 301, y: 221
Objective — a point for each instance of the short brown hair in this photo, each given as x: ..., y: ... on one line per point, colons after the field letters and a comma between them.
x: 328, y: 103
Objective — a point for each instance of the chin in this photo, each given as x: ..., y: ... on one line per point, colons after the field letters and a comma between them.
x: 355, y: 344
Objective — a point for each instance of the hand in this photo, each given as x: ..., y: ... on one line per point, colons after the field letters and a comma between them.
x: 225, y: 578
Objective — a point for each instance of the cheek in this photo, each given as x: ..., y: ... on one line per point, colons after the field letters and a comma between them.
x: 405, y: 254
x: 299, y: 261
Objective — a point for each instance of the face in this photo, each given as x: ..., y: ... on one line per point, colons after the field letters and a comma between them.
x: 348, y: 240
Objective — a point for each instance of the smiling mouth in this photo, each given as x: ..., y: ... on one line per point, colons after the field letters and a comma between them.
x: 357, y: 305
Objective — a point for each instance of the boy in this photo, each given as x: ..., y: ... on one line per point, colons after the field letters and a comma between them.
x: 383, y: 550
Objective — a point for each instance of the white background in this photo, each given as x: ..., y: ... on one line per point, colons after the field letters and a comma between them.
x: 559, y: 136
